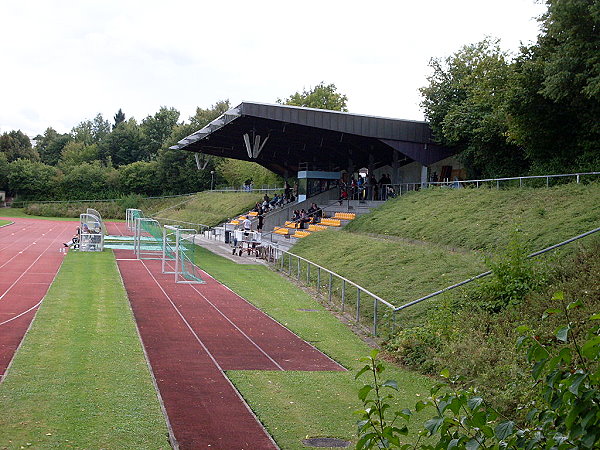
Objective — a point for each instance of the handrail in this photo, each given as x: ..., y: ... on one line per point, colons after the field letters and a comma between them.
x: 489, y: 272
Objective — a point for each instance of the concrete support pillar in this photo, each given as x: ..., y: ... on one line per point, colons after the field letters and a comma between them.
x: 424, y: 176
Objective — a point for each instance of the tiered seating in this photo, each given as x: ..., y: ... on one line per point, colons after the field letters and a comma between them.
x: 301, y: 233
x: 316, y: 227
x: 344, y: 216
x: 331, y: 222
x: 282, y: 231
x: 289, y: 224
x: 234, y: 222
x: 253, y: 213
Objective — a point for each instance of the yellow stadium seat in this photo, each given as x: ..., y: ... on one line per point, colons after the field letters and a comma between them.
x: 301, y: 234
x: 316, y: 227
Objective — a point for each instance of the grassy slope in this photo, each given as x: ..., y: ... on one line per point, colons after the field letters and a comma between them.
x: 19, y: 212
x: 212, y: 208
x: 484, y: 218
x: 380, y: 250
x: 294, y: 405
x: 80, y: 379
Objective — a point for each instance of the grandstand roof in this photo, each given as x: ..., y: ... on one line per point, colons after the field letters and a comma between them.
x: 290, y: 138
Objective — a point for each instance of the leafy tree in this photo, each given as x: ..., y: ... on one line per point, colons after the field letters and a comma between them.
x: 3, y: 172
x: 119, y: 118
x: 16, y: 144
x: 90, y: 181
x: 157, y: 129
x: 91, y: 131
x: 75, y: 153
x: 50, y: 145
x: 140, y: 178
x: 555, y: 102
x: 32, y: 179
x: 234, y: 172
x: 321, y: 96
x: 124, y: 144
x: 465, y: 104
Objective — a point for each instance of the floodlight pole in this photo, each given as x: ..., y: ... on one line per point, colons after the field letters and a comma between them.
x: 212, y: 180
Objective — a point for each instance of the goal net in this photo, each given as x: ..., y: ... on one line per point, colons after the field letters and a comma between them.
x: 179, y: 254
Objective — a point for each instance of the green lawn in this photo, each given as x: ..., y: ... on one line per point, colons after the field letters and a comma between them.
x: 294, y: 405
x: 4, y: 222
x: 20, y: 213
x: 80, y: 379
x: 212, y: 208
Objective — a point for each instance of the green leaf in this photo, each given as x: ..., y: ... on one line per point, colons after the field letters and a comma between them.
x: 361, y: 371
x: 558, y: 296
x: 538, y: 367
x: 550, y: 311
x: 575, y: 304
x: 391, y: 384
x: 474, y: 403
x: 504, y: 429
x: 562, y: 333
x: 445, y: 373
x: 566, y: 355
x: 374, y: 353
x: 522, y: 329
x: 364, y: 392
x: 591, y: 348
x: 432, y: 425
x: 473, y: 444
x: 595, y: 316
x: 577, y: 379
x: 420, y: 405
x: 453, y: 443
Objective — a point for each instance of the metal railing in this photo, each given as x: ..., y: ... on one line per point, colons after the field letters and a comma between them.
x: 347, y: 295
x: 336, y: 286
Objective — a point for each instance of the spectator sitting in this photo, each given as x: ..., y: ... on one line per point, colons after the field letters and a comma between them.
x: 303, y: 219
x: 74, y: 240
x: 296, y: 218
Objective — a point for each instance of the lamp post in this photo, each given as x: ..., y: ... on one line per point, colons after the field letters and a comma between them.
x: 212, y: 179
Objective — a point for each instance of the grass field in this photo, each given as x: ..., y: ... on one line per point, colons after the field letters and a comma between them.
x: 294, y: 405
x: 212, y: 208
x: 4, y: 222
x: 80, y: 379
x: 20, y: 212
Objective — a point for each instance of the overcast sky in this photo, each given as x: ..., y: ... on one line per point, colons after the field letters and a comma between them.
x: 65, y: 61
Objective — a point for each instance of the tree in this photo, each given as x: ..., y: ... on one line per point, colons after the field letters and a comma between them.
x: 465, y: 104
x: 3, y: 172
x: 124, y: 144
x: 157, y: 129
x: 321, y: 96
x: 555, y: 102
x: 140, y: 178
x: 76, y: 153
x: 90, y: 181
x: 16, y: 144
x: 91, y: 131
x: 50, y: 145
x: 119, y: 118
x: 32, y: 179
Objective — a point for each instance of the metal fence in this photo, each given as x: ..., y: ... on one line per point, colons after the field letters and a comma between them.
x: 365, y: 307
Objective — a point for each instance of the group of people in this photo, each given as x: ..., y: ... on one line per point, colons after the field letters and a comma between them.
x: 367, y: 188
x: 302, y: 217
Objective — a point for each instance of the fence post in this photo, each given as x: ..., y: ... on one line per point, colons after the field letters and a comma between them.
x: 520, y: 182
x: 357, y: 305
x: 307, y: 273
x: 547, y: 181
x: 577, y: 178
x: 330, y: 283
x: 318, y: 279
x: 375, y: 317
x: 343, y: 294
x: 298, y: 267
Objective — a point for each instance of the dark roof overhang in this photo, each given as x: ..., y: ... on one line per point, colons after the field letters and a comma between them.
x: 286, y: 139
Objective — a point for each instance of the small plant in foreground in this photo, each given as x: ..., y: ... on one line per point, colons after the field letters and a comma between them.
x: 568, y: 372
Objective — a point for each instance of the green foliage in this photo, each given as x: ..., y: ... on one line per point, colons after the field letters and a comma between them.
x: 75, y: 153
x: 156, y: 129
x: 50, y: 145
x: 465, y: 105
x: 119, y: 118
x: 3, y: 172
x: 90, y: 181
x: 124, y: 145
x: 568, y: 416
x: 234, y: 172
x: 140, y: 178
x: 514, y: 275
x: 321, y: 97
x: 16, y: 144
x: 91, y: 131
x: 30, y: 179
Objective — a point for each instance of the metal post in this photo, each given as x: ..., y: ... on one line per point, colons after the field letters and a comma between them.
x: 290, y: 264
x: 375, y: 317
x: 298, y: 268
x: 343, y: 294
x: 547, y: 181
x: 357, y: 304
x: 393, y: 321
x: 330, y: 283
x: 318, y: 279
x: 577, y: 178
x: 520, y: 182
x: 497, y: 184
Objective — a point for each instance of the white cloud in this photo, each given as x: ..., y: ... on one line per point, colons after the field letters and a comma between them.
x: 65, y: 61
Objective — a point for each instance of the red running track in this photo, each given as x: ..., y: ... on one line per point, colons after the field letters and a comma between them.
x: 192, y: 333
x: 31, y: 252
